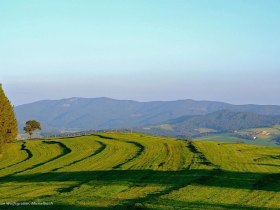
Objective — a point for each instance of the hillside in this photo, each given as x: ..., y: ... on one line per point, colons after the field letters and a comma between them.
x: 138, y: 171
x: 216, y: 122
x: 105, y: 113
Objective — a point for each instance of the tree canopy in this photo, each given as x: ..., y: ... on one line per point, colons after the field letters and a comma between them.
x: 8, y: 122
x: 31, y: 126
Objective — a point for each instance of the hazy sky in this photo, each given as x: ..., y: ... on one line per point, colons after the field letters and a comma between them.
x: 225, y: 50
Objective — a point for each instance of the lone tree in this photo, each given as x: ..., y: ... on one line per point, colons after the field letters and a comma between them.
x: 31, y: 126
x: 8, y: 122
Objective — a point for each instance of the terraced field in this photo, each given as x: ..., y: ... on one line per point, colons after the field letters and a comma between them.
x: 138, y: 171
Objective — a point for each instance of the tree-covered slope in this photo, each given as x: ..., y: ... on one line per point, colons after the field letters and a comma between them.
x: 226, y: 121
x: 220, y: 121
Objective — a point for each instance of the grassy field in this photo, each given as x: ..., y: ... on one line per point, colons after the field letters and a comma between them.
x: 231, y: 138
x: 262, y: 133
x: 138, y: 171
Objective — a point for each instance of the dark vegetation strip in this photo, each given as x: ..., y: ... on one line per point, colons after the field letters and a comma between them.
x: 65, y: 151
x: 72, y: 187
x: 24, y: 148
x: 103, y: 137
x: 140, y: 150
x: 74, y: 137
x: 98, y: 135
x: 99, y: 150
x: 28, y: 152
x: 267, y: 157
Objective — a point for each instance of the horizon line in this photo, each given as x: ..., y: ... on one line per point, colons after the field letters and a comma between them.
x: 150, y: 101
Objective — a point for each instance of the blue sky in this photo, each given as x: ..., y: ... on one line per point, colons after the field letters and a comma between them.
x: 141, y: 49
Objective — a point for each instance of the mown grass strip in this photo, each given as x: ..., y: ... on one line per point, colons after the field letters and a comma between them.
x: 140, y: 150
x: 99, y: 150
x: 200, y: 156
x: 65, y: 151
x: 28, y: 152
x: 181, y: 174
x: 87, y: 180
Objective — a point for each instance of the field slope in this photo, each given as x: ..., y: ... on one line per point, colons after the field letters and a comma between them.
x: 138, y: 171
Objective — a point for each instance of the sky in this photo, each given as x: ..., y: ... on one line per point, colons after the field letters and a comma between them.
x: 142, y: 50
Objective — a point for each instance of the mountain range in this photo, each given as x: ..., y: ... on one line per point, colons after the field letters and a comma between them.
x: 76, y: 114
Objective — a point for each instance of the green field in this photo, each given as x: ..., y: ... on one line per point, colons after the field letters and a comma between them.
x: 138, y: 171
x: 262, y: 133
x: 230, y: 137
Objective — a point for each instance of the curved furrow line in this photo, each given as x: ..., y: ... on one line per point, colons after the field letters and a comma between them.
x: 266, y: 183
x: 153, y: 154
x: 160, y: 165
x: 104, y: 137
x: 200, y: 179
x: 65, y: 151
x: 140, y: 150
x: 200, y: 157
x: 99, y: 150
x: 193, y: 159
x: 168, y: 154
x: 78, y: 185
x: 72, y: 187
x: 29, y: 155
x: 177, y: 156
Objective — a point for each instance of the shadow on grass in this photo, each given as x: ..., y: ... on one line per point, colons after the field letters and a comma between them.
x: 214, y: 178
x: 139, y: 206
x: 52, y: 207
x: 207, y: 205
x: 172, y: 180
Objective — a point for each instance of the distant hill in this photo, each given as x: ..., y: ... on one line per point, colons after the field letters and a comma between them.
x: 105, y: 113
x: 227, y: 120
x: 219, y: 121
